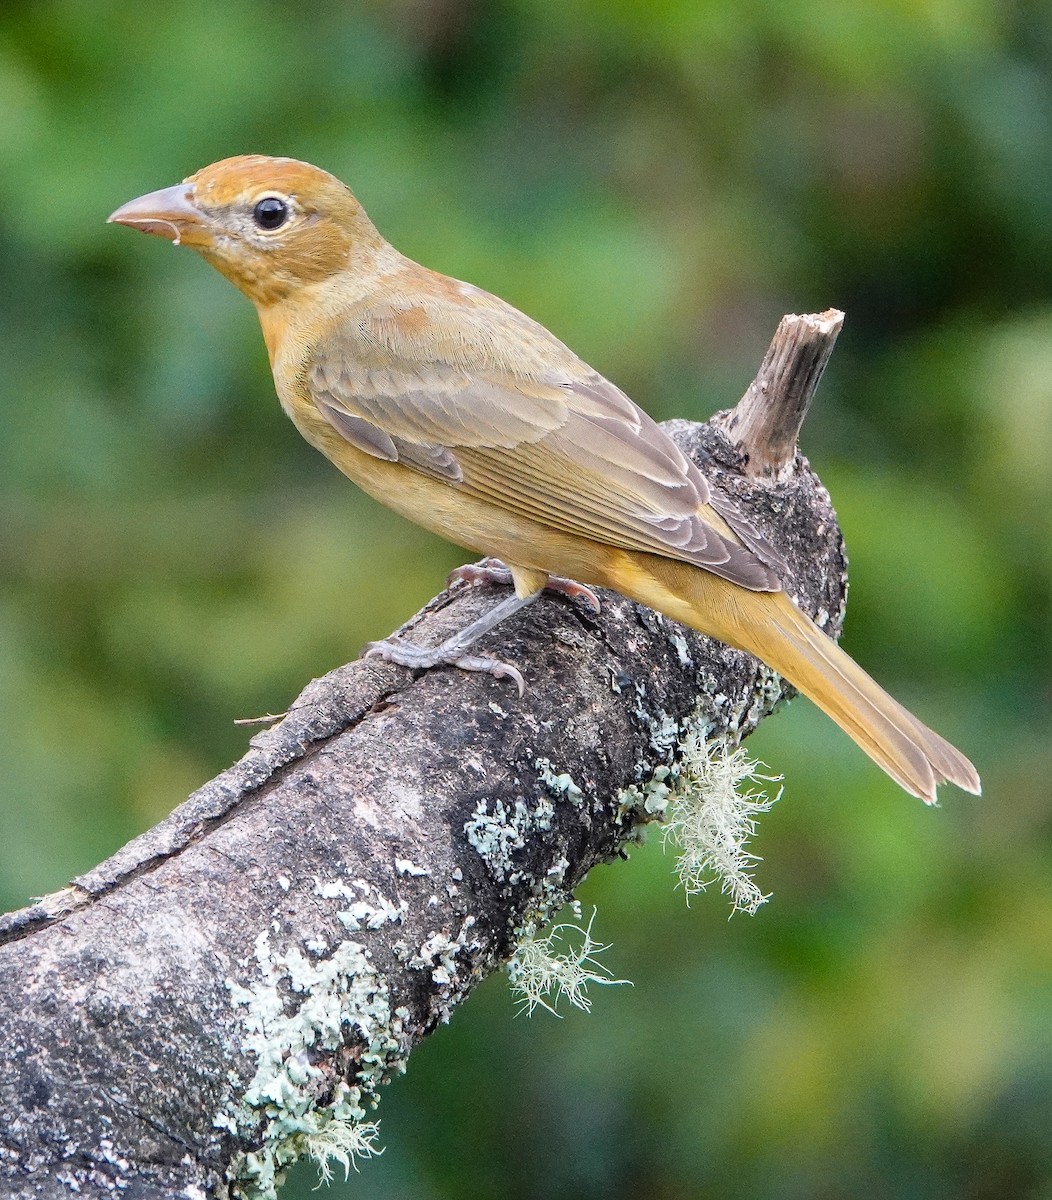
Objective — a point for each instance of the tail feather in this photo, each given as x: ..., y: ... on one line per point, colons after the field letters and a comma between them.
x: 770, y: 626
x: 916, y: 757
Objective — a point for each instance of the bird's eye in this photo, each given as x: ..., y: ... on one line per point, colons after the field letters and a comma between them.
x: 271, y: 213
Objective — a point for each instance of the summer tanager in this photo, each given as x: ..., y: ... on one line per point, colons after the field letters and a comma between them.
x: 464, y: 415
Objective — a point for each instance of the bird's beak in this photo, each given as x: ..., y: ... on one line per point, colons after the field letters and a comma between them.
x: 169, y: 213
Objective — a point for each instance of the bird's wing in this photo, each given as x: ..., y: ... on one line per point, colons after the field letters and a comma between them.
x: 558, y: 443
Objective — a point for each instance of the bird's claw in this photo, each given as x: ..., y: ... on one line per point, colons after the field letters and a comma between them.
x: 422, y: 658
x: 490, y: 570
x: 493, y: 571
x: 573, y: 590
x: 491, y: 666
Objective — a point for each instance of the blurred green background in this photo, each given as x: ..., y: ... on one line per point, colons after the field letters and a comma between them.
x: 657, y: 181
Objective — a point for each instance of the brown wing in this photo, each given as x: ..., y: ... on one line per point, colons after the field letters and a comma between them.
x: 557, y: 443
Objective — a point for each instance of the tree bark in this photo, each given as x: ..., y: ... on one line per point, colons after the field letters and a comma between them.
x: 182, y: 1018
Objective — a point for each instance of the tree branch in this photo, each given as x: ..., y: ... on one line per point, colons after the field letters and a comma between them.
x: 230, y: 989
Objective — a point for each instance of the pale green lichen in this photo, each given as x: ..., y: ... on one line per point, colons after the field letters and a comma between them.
x: 496, y: 835
x: 343, y: 1143
x: 662, y: 730
x: 693, y: 787
x: 679, y: 644
x: 767, y: 695
x: 559, y: 783
x: 647, y: 801
x: 438, y: 953
x: 711, y: 820
x: 559, y: 965
x: 300, y: 1010
x: 555, y: 876
x: 362, y: 913
x: 406, y: 867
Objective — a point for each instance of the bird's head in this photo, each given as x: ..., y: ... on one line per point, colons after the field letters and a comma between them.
x: 270, y: 225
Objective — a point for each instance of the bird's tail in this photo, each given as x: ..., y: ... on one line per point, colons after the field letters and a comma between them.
x: 770, y: 626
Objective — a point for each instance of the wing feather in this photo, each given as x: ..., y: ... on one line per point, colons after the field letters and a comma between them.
x: 558, y: 443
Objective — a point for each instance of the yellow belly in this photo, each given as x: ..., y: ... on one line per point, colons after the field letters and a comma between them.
x: 456, y: 514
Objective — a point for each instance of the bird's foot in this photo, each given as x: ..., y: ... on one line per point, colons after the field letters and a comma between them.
x: 422, y: 658
x: 492, y: 570
x: 449, y: 653
x: 453, y: 651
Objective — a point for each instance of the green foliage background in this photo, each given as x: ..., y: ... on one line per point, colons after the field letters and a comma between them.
x: 658, y: 181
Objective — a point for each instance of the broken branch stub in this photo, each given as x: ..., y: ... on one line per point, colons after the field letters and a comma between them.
x: 766, y: 422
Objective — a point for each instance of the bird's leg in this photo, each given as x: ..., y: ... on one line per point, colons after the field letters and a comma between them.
x: 492, y: 570
x: 452, y: 650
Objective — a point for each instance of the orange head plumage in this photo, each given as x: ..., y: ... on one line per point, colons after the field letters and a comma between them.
x: 270, y: 225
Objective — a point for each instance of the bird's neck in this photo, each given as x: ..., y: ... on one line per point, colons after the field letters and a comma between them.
x: 303, y: 314
x: 274, y: 321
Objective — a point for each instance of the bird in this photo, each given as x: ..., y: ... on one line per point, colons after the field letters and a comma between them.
x: 466, y: 416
